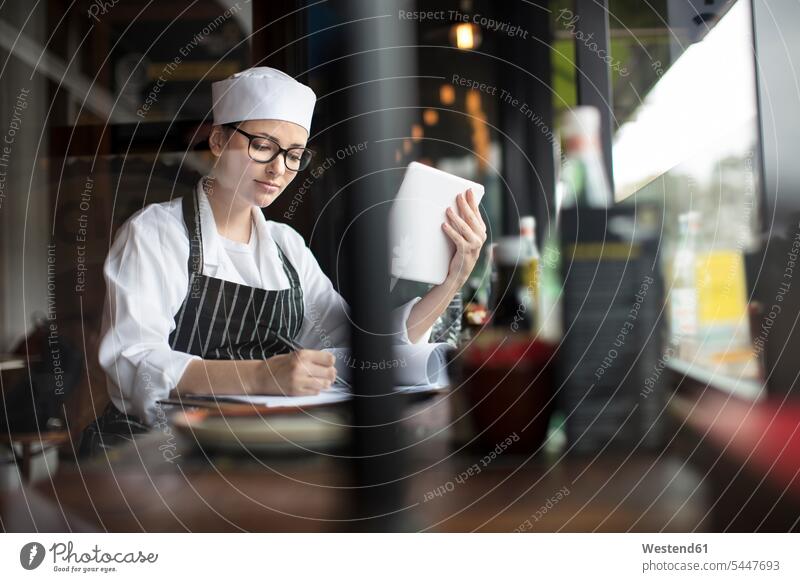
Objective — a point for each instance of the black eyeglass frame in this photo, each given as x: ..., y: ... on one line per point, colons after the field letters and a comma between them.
x: 280, y: 150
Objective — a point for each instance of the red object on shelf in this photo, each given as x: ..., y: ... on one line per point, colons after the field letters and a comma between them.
x: 507, y: 350
x: 765, y: 436
x: 509, y: 388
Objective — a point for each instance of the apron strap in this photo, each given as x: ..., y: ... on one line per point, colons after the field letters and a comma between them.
x: 191, y: 216
x: 288, y: 269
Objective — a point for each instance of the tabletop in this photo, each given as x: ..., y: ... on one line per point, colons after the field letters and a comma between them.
x: 445, y: 488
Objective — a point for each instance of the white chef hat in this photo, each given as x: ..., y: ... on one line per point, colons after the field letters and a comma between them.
x: 262, y: 93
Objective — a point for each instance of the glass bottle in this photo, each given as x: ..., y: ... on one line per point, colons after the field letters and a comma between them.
x: 531, y: 257
x: 550, y: 327
x: 683, y: 294
x: 583, y: 175
x: 512, y: 296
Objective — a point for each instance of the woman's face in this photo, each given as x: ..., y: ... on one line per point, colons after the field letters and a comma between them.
x: 254, y: 183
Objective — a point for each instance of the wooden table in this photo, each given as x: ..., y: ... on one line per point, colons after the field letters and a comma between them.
x: 33, y: 444
x: 135, y: 489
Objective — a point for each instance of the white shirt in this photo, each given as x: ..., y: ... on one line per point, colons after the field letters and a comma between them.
x: 244, y: 257
x: 147, y: 279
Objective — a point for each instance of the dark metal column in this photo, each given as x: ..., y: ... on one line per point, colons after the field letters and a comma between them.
x: 378, y: 467
x: 525, y: 73
x: 277, y: 25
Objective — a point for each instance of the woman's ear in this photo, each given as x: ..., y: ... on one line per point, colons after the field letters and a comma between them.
x: 217, y: 140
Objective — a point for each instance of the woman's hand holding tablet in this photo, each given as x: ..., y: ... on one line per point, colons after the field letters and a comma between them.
x: 468, y: 233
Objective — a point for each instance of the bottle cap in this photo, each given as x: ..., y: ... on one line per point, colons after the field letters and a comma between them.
x: 510, y: 250
x: 527, y: 225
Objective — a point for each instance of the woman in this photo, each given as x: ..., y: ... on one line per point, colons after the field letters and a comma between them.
x: 206, y: 295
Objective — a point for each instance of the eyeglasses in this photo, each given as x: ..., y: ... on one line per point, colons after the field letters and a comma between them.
x: 264, y: 149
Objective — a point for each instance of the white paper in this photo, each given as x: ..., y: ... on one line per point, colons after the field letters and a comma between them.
x: 331, y: 396
x: 413, y: 364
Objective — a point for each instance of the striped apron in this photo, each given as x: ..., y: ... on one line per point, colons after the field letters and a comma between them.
x: 218, y: 320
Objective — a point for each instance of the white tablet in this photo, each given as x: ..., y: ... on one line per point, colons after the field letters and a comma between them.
x: 420, y: 249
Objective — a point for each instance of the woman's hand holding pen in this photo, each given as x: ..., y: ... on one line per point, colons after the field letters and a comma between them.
x: 299, y: 373
x: 468, y: 233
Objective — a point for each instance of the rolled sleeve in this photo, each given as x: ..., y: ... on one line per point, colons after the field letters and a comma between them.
x: 400, y: 323
x: 150, y: 376
x: 138, y: 318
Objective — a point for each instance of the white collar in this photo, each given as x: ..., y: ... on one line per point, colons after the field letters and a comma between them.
x: 211, y: 238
